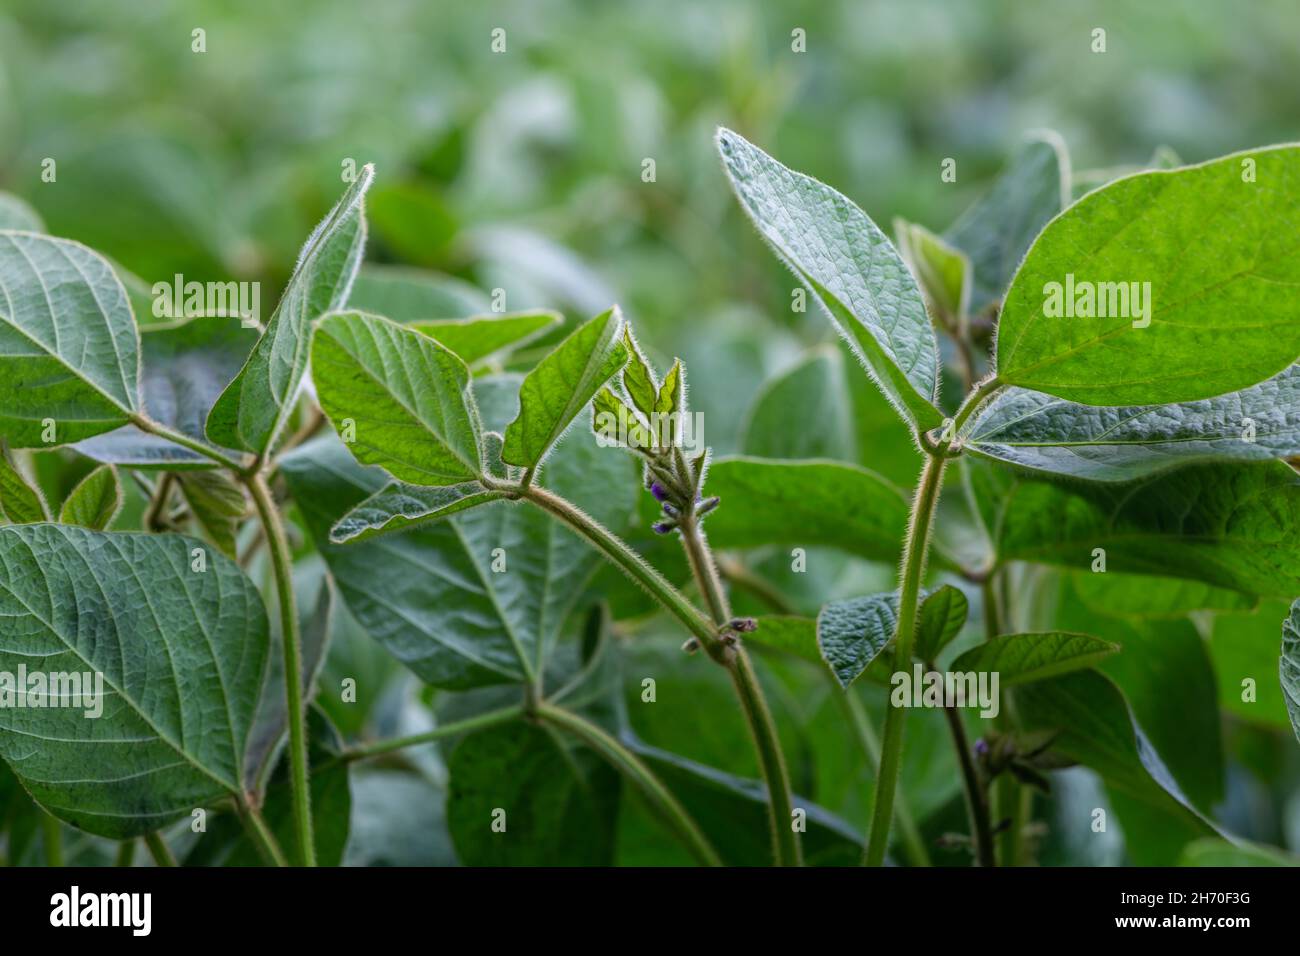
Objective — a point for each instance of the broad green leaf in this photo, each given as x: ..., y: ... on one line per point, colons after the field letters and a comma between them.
x: 997, y: 230
x: 409, y: 295
x: 185, y: 368
x: 181, y: 652
x: 852, y: 633
x: 638, y: 381
x: 1204, y: 249
x: 407, y: 396
x: 789, y: 633
x: 217, y: 504
x: 485, y: 337
x: 69, y: 350
x: 1244, y: 648
x: 942, y: 271
x: 561, y: 386
x: 1289, y: 668
x: 850, y: 267
x: 398, y: 506
x: 805, y: 503
x: 446, y: 614
x: 560, y: 802
x: 254, y: 407
x: 1147, y: 596
x: 1231, y: 526
x: 412, y: 219
x: 1022, y: 658
x: 943, y: 615
x: 1037, y: 431
x: 16, y: 214
x: 95, y: 501
x: 1217, y: 852
x: 21, y: 502
x: 1096, y: 728
x: 803, y: 413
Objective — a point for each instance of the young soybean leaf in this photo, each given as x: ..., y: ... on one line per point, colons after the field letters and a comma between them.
x: 997, y: 230
x: 483, y: 337
x: 561, y: 386
x: 852, y: 633
x: 21, y: 502
x: 1289, y: 667
x: 253, y: 408
x: 1037, y: 431
x: 803, y: 504
x: 164, y: 743
x: 95, y: 501
x: 943, y: 614
x: 407, y: 395
x: 850, y: 267
x: 1021, y: 658
x: 1166, y: 286
x: 638, y: 380
x: 69, y: 350
x: 184, y: 369
x: 612, y: 418
x: 1231, y: 526
x: 16, y: 214
x: 398, y: 506
x: 943, y: 272
x: 672, y: 393
x: 217, y: 504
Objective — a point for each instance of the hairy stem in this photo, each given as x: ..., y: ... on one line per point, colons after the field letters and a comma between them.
x: 52, y: 837
x: 1006, y: 807
x: 291, y: 639
x: 918, y: 539
x: 151, y: 520
x: 266, y: 842
x: 482, y: 721
x: 146, y: 424
x: 977, y: 804
x: 785, y: 841
x: 158, y: 848
x: 641, y: 776
x: 125, y: 853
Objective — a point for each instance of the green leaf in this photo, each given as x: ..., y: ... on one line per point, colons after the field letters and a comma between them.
x: 997, y: 230
x: 561, y: 386
x: 17, y: 214
x: 942, y: 271
x: 1049, y: 434
x: 446, y: 614
x: 1216, y: 852
x: 483, y: 338
x: 398, y: 506
x: 1245, y: 647
x: 69, y: 351
x: 1230, y: 526
x: 407, y: 396
x: 611, y: 419
x: 672, y: 393
x: 1022, y: 658
x: 21, y: 502
x: 254, y: 407
x: 185, y: 368
x: 1289, y: 667
x: 409, y: 295
x: 1095, y: 727
x: 790, y: 633
x: 943, y: 615
x: 559, y: 803
x: 181, y: 652
x: 217, y: 503
x: 1221, y: 313
x: 95, y: 501
x: 638, y: 380
x: 853, y: 633
x: 804, y: 412
x: 850, y: 267
x: 805, y: 503
x: 1147, y: 596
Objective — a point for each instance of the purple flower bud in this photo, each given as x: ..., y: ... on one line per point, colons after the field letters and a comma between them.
x: 658, y: 491
x: 982, y: 747
x: 663, y: 527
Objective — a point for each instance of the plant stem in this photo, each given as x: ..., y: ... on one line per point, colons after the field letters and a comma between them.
x: 861, y: 724
x: 785, y: 841
x: 52, y: 837
x: 918, y: 539
x: 162, y: 854
x: 1006, y: 804
x: 125, y: 853
x: 631, y: 766
x: 146, y: 424
x: 627, y: 560
x: 256, y: 826
x: 977, y: 805
x: 157, y: 502
x: 291, y: 640
x: 478, y: 722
